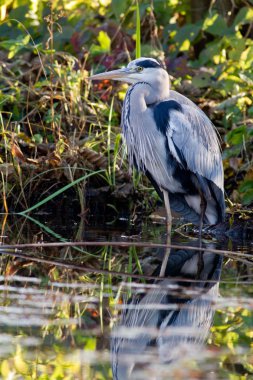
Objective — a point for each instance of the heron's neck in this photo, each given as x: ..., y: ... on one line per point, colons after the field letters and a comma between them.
x: 141, y: 95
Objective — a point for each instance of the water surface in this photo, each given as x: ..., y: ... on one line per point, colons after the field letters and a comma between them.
x: 105, y: 312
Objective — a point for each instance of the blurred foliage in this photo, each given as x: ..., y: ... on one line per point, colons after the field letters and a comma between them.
x: 232, y: 330
x: 50, y: 117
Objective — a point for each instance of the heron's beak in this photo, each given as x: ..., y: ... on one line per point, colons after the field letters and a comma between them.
x: 123, y: 75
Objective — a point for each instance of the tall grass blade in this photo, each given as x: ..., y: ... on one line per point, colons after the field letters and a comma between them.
x: 109, y: 131
x: 130, y: 270
x: 57, y: 236
x: 137, y: 261
x: 115, y: 157
x: 4, y: 194
x: 58, y: 192
x: 138, y: 32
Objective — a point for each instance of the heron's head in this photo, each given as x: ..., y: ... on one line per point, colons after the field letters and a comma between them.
x: 147, y: 70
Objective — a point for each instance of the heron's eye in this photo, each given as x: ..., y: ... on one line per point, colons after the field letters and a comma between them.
x: 139, y: 68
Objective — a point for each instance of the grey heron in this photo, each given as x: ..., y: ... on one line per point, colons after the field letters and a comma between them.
x: 172, y: 141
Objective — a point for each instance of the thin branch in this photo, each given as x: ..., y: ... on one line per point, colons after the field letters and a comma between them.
x: 82, y: 268
x: 123, y: 244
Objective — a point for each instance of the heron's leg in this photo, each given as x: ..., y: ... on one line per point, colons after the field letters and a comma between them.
x: 166, y: 252
x: 203, y: 205
x: 167, y: 207
x: 168, y: 230
x: 200, y: 260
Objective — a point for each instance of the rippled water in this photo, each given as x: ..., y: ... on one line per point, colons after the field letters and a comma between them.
x: 104, y: 311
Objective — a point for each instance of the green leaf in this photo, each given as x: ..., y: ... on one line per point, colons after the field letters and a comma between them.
x: 246, y: 186
x: 119, y: 7
x: 238, y: 47
x: 203, y: 80
x: 244, y: 16
x: 189, y: 32
x: 104, y: 41
x: 250, y: 111
x: 216, y: 25
x: 37, y: 138
x: 186, y: 35
x: 248, y: 197
x: 212, y: 49
x: 247, y: 58
x: 42, y: 83
x: 14, y: 46
x: 104, y: 44
x: 236, y: 136
x: 91, y: 344
x: 19, y: 13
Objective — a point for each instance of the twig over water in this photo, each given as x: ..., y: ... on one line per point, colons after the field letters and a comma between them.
x: 124, y: 244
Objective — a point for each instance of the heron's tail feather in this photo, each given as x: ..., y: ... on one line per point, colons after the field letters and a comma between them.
x: 179, y: 205
x: 188, y: 206
x: 220, y: 202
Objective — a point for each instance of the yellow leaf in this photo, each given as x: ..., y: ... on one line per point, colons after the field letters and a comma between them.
x: 5, y: 368
x: 185, y: 45
x: 19, y: 362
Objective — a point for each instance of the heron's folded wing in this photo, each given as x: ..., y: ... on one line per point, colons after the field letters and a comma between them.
x: 193, y: 141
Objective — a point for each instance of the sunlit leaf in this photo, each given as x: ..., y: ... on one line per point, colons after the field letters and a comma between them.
x: 185, y: 35
x: 238, y: 46
x: 212, y: 49
x: 216, y: 25
x: 246, y: 59
x: 19, y: 362
x: 5, y: 368
x: 244, y: 16
x: 104, y: 41
x: 91, y: 344
x: 185, y: 45
x: 14, y: 46
x: 246, y: 79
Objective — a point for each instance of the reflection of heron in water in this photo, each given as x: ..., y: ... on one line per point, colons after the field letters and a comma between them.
x: 171, y: 317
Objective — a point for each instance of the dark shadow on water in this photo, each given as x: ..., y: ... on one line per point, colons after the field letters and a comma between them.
x: 167, y: 321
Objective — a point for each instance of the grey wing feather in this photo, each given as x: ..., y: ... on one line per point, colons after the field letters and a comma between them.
x: 181, y: 99
x: 192, y: 134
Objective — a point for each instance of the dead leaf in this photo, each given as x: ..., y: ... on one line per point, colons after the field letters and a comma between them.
x: 17, y: 153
